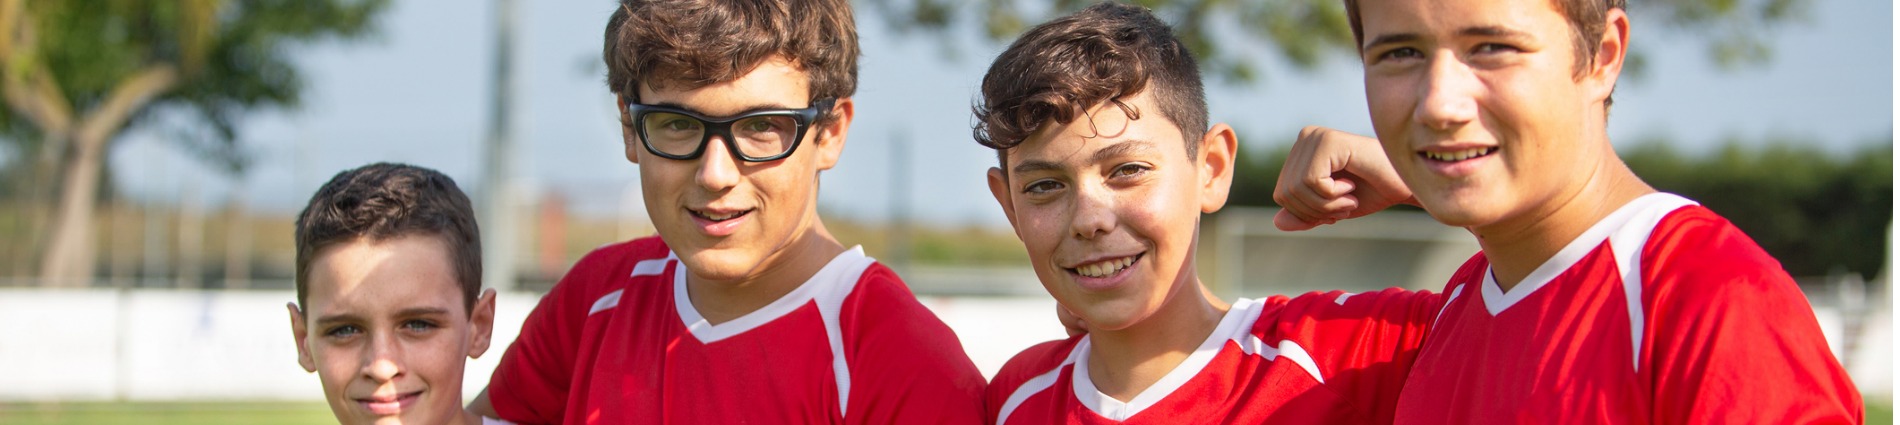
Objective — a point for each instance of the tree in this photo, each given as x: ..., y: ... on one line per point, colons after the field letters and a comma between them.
x: 1304, y: 31
x: 76, y: 74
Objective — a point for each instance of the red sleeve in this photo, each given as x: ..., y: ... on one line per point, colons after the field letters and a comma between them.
x: 531, y: 382
x: 1363, y: 343
x: 907, y: 367
x: 1732, y: 339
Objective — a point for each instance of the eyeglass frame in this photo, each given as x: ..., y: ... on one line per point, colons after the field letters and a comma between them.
x: 802, y: 119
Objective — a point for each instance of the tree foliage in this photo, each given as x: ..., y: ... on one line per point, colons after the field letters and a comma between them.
x: 1304, y: 32
x: 1817, y: 213
x: 77, y: 74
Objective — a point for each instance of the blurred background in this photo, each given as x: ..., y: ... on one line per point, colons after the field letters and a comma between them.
x: 154, y: 155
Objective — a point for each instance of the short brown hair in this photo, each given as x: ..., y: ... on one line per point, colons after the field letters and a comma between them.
x: 384, y: 201
x: 1102, y: 54
x: 1586, y: 17
x: 696, y: 43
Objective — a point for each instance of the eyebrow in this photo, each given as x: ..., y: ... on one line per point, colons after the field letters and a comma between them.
x: 756, y: 107
x: 1119, y: 149
x: 1492, y: 31
x: 407, y: 312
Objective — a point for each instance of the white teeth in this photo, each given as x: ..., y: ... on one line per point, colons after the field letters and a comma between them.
x: 718, y: 217
x: 1104, y: 268
x: 1458, y: 155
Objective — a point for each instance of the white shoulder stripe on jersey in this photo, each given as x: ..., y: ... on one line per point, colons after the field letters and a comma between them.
x: 651, y: 267
x: 642, y: 268
x: 1455, y: 290
x: 1342, y: 298
x: 1287, y: 348
x: 1626, y: 245
x: 830, y: 301
x: 608, y: 301
x: 1036, y: 385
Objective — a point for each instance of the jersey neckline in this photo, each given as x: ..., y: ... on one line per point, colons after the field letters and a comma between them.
x: 1238, y: 321
x: 1496, y: 299
x: 843, y: 269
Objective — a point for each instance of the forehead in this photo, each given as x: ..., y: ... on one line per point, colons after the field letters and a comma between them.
x: 1105, y: 131
x: 364, y: 276
x: 1434, y: 17
x: 775, y: 83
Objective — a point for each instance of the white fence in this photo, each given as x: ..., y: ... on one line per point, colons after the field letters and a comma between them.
x: 157, y: 345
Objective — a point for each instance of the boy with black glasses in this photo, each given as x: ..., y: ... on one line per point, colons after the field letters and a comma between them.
x: 745, y: 309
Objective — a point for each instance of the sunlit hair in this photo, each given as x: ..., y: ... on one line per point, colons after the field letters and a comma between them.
x: 688, y: 44
x: 1587, y: 18
x: 1103, y: 54
x: 384, y: 201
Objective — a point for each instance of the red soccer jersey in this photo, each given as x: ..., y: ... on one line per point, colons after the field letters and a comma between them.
x: 1321, y: 358
x: 618, y: 342
x: 1661, y: 313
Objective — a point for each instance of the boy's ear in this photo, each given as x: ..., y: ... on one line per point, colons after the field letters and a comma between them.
x: 301, y: 334
x: 830, y: 138
x: 999, y: 188
x: 1218, y: 149
x: 481, y: 323
x: 627, y: 136
x: 1611, y: 52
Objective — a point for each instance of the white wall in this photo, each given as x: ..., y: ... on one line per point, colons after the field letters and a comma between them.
x: 151, y: 345
x: 236, y: 345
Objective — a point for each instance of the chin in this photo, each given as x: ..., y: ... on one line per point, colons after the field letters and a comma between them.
x: 722, y: 264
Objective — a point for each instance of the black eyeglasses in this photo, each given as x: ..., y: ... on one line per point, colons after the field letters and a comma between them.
x: 757, y: 136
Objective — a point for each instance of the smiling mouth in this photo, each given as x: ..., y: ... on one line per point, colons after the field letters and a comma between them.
x: 1459, y: 155
x: 1101, y: 269
x: 387, y: 405
x: 717, y: 217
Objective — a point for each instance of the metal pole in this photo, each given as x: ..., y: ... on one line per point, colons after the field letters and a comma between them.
x: 498, y: 223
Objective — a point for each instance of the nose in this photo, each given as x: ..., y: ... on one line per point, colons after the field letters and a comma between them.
x: 1094, y: 213
x: 1449, y: 94
x: 718, y: 167
x: 384, y: 359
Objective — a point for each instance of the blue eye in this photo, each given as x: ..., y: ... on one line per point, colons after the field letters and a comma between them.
x: 418, y: 326
x: 344, y: 331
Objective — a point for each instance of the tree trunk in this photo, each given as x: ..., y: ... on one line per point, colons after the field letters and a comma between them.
x: 69, y: 254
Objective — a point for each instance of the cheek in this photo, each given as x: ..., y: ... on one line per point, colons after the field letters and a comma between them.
x: 338, y: 365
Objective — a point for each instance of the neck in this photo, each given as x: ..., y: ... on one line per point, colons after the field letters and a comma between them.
x: 1516, y: 246
x: 1124, y: 362
x: 785, y: 269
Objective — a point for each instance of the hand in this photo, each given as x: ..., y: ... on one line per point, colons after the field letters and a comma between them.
x: 1332, y: 175
x: 1070, y: 322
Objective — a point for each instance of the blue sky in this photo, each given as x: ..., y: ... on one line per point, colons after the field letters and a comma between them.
x: 418, y: 93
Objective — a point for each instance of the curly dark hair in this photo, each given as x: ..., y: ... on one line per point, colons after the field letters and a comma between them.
x: 696, y: 43
x: 1102, y: 54
x: 384, y: 201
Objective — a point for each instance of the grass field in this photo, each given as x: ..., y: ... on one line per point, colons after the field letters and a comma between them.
x: 105, y: 413
x: 1879, y: 412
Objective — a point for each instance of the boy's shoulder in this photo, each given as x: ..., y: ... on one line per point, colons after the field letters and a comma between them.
x: 1695, y: 244
x: 610, y: 267
x: 1041, y: 359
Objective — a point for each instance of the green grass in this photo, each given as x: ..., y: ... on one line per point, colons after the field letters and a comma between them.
x: 1880, y: 412
x: 110, y: 413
